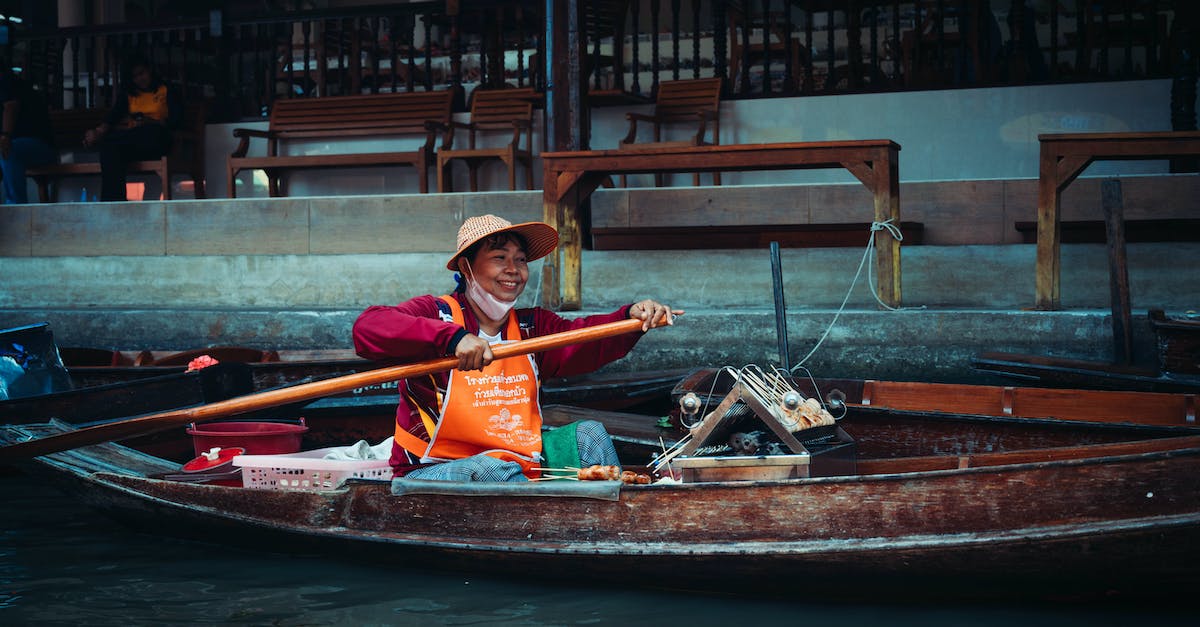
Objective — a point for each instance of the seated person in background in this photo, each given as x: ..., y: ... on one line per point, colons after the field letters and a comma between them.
x: 481, y: 421
x: 137, y: 128
x: 25, y: 137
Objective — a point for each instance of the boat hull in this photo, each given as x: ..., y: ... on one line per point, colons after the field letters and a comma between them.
x: 1127, y: 523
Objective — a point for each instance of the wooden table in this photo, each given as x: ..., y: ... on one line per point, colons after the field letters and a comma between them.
x: 571, y: 177
x: 1063, y: 157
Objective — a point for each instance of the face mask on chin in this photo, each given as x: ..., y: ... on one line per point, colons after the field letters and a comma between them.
x: 492, y: 307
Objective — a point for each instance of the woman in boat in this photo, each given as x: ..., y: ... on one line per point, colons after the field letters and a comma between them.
x: 481, y: 421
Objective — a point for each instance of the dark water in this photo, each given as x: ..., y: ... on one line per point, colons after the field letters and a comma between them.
x: 63, y: 564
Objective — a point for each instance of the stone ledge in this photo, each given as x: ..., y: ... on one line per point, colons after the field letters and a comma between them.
x: 952, y: 212
x: 924, y: 345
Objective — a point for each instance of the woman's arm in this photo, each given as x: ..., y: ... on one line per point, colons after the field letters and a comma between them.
x: 410, y: 331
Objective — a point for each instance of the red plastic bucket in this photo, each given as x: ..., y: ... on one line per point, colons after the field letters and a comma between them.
x: 258, y: 438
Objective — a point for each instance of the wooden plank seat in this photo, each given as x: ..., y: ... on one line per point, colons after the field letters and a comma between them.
x: 492, y: 112
x: 1093, y: 231
x: 691, y: 104
x: 413, y: 114
x: 186, y: 156
x: 831, y: 235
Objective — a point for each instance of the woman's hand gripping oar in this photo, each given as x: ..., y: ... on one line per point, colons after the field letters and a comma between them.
x: 307, y: 391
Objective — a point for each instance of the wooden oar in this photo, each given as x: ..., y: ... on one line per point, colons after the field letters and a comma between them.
x: 303, y: 392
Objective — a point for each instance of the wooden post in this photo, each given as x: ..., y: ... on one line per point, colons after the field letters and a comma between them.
x: 565, y: 118
x: 551, y: 210
x: 887, y: 247
x: 1048, y: 232
x: 1114, y: 222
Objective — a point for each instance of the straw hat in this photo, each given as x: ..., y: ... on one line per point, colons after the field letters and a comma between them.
x: 540, y: 238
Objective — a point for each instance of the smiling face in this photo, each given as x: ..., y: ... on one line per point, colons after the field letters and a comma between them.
x: 499, y: 266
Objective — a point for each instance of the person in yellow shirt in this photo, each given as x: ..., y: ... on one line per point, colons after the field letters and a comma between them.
x: 137, y: 128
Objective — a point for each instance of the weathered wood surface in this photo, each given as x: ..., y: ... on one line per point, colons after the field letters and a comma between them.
x: 1063, y: 157
x: 420, y: 114
x: 1118, y: 271
x: 570, y: 178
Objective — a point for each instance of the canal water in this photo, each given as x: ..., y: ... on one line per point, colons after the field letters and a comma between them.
x: 64, y: 564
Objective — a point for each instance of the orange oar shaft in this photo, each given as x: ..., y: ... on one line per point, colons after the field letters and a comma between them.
x: 307, y: 391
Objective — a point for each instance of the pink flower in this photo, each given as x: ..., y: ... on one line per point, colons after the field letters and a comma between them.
x: 202, y: 361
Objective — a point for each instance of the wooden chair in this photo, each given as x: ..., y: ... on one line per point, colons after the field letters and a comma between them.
x: 692, y: 104
x: 493, y: 112
x: 753, y: 38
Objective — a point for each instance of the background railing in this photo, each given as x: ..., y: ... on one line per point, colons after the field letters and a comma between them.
x: 764, y: 48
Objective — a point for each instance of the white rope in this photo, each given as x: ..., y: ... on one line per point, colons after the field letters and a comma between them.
x: 892, y: 229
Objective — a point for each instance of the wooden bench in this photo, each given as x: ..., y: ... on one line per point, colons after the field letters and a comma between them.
x: 1063, y: 158
x: 335, y: 118
x: 186, y: 156
x: 569, y: 178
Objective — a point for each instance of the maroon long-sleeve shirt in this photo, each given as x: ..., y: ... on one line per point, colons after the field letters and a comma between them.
x: 414, y: 331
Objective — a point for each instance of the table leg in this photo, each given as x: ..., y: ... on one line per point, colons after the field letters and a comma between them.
x: 562, y: 270
x: 570, y: 246
x: 551, y: 294
x: 887, y: 248
x: 1048, y: 233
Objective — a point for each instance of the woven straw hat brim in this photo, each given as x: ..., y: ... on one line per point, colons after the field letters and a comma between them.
x: 540, y: 240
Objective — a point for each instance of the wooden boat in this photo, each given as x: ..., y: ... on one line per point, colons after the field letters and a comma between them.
x: 1079, y: 373
x: 139, y: 396
x: 937, y: 504
x: 1177, y: 345
x: 933, y: 399
x: 1178, y: 342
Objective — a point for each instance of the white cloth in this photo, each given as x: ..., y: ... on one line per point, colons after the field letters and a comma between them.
x: 361, y: 450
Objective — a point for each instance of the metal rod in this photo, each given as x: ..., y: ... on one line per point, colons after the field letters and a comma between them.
x: 780, y: 308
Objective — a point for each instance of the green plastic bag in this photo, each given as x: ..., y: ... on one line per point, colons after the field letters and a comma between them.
x: 560, y: 447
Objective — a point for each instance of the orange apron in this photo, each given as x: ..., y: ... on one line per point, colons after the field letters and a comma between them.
x: 494, y: 411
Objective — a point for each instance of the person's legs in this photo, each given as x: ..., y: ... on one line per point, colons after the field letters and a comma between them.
x: 595, y: 445
x: 112, y: 168
x: 119, y: 148
x: 25, y: 152
x: 474, y: 468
